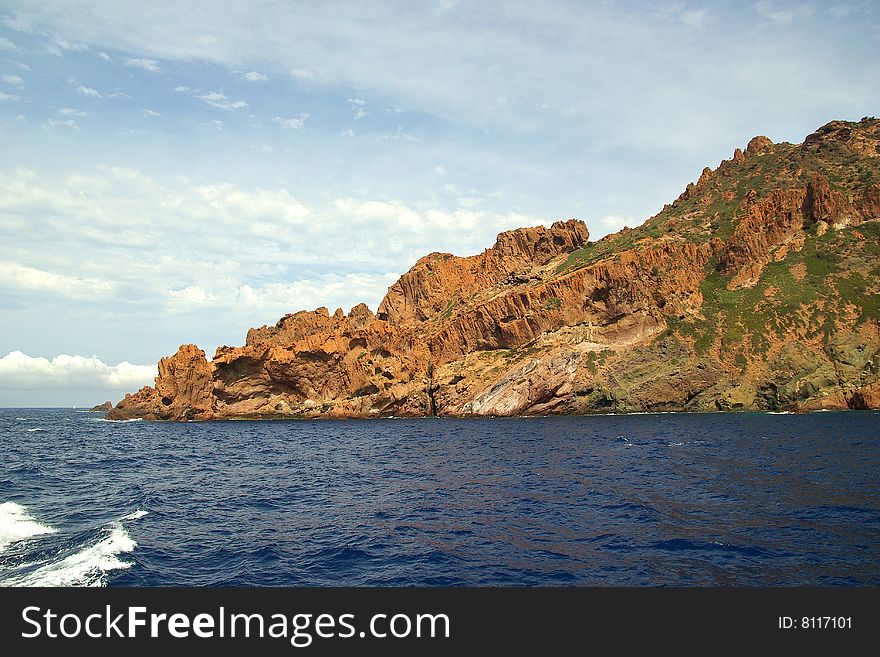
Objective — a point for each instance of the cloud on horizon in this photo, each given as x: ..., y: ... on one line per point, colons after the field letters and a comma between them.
x: 18, y: 371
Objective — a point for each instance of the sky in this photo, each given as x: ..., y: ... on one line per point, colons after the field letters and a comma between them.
x: 176, y: 172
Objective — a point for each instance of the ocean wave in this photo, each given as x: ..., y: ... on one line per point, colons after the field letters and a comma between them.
x: 16, y: 524
x: 88, y: 566
x: 35, y: 429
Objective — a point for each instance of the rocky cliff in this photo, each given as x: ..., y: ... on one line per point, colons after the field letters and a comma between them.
x: 756, y: 289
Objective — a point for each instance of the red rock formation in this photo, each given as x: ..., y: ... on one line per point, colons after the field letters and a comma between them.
x: 439, y: 281
x: 523, y: 326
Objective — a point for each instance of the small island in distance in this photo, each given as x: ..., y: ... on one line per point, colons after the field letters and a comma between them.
x: 756, y: 289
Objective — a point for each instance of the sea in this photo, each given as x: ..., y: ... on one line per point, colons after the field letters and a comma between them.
x: 744, y: 499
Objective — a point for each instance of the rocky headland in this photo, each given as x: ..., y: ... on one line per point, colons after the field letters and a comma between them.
x: 757, y: 289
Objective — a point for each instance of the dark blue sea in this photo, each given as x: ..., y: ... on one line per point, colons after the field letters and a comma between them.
x: 645, y: 500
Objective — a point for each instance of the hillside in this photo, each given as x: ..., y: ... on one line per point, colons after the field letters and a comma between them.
x: 757, y: 289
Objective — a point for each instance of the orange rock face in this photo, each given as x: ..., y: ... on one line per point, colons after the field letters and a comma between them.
x: 662, y: 317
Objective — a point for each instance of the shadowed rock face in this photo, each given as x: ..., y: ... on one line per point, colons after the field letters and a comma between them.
x: 756, y: 289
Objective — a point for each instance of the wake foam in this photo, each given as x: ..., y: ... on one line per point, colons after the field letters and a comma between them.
x: 16, y: 524
x: 88, y: 565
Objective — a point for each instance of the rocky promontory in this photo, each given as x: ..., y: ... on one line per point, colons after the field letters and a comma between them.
x: 757, y: 289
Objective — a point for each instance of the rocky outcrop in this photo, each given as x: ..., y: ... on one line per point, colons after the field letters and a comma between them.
x: 756, y: 289
x: 102, y: 408
x: 440, y: 281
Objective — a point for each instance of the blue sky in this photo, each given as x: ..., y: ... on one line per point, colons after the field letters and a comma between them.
x: 180, y: 171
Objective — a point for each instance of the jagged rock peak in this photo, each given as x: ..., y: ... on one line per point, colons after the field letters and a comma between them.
x: 539, y: 242
x: 758, y: 145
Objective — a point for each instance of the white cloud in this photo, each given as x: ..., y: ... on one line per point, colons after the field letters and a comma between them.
x: 4, y: 97
x: 94, y: 93
x: 348, y: 132
x: 70, y: 111
x: 18, y: 371
x: 253, y: 76
x: 359, y: 111
x: 192, y: 294
x: 104, y: 56
x: 58, y: 123
x: 15, y: 276
x: 226, y: 240
x: 11, y: 79
x: 181, y: 88
x: 220, y: 101
x: 19, y: 65
x: 6, y: 44
x: 144, y: 63
x: 88, y: 91
x: 294, y: 122
x: 152, y: 113
x: 217, y: 124
x: 440, y: 170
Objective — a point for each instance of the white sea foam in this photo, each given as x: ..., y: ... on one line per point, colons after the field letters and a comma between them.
x: 134, y: 419
x: 35, y: 429
x: 16, y: 524
x: 86, y: 567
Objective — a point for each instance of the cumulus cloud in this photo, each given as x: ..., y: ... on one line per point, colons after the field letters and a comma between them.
x: 181, y: 88
x: 12, y: 79
x: 5, y: 97
x: 152, y: 113
x: 220, y: 101
x: 294, y: 122
x: 144, y: 63
x: 18, y: 371
x: 70, y: 111
x: 254, y: 76
x: 104, y: 56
